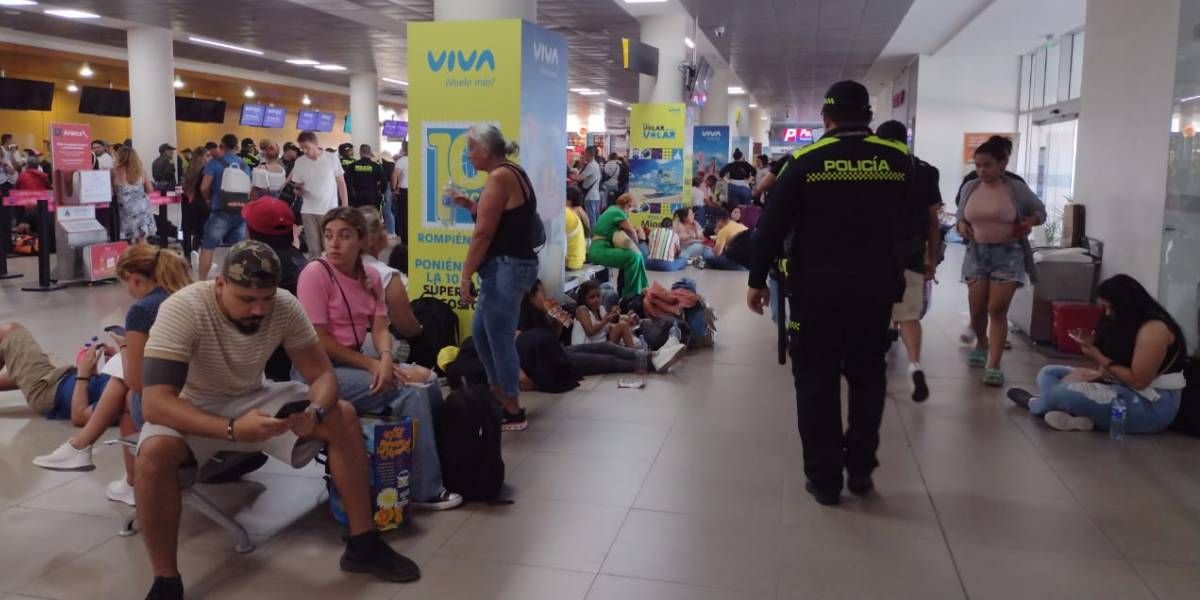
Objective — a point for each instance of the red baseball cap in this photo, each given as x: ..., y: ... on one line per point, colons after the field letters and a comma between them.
x: 269, y: 216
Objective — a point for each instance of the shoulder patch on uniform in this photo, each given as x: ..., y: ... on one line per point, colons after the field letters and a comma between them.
x: 874, y: 139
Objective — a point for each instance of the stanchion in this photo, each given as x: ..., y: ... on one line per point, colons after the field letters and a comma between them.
x: 163, y: 241
x: 5, y: 242
x: 45, y: 229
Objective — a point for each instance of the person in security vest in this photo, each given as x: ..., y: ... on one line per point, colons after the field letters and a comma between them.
x: 842, y: 201
x: 366, y: 179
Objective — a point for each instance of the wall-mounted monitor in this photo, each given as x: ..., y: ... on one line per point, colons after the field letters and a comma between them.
x: 274, y: 116
x: 325, y: 122
x: 307, y: 120
x: 25, y: 94
x: 395, y: 129
x: 252, y: 115
x: 104, y: 102
x: 346, y: 125
x: 195, y: 110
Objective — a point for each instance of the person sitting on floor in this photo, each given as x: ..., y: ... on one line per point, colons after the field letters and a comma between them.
x: 205, y: 392
x: 691, y: 237
x: 730, y: 233
x: 150, y: 274
x: 622, y: 253
x: 662, y: 249
x: 577, y: 227
x: 594, y: 323
x: 343, y: 299
x: 1140, y: 354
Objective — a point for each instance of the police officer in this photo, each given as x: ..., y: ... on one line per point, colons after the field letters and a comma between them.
x: 366, y: 179
x: 346, y: 156
x: 839, y: 199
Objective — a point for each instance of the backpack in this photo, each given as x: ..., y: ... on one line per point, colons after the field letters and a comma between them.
x: 1187, y: 420
x: 439, y: 325
x: 235, y: 188
x: 740, y: 248
x: 467, y: 426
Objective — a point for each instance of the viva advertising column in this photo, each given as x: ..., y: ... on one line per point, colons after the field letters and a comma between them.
x: 656, y: 165
x: 509, y: 73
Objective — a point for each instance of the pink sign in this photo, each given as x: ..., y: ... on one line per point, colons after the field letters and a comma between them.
x: 29, y: 198
x: 71, y: 146
x: 101, y: 259
x: 159, y: 199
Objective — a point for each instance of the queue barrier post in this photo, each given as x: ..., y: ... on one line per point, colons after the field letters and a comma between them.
x: 45, y: 228
x: 5, y: 242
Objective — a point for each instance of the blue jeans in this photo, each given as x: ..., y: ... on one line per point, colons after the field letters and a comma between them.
x: 223, y: 229
x: 659, y: 264
x: 700, y: 215
x: 696, y: 249
x: 1141, y: 415
x: 389, y: 213
x: 722, y: 263
x: 740, y: 195
x: 593, y: 209
x: 354, y: 386
x: 504, y: 281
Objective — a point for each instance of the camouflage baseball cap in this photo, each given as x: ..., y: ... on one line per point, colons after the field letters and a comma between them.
x: 252, y: 264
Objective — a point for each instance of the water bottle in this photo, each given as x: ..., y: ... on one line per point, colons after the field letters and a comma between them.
x: 676, y: 335
x: 1116, y: 426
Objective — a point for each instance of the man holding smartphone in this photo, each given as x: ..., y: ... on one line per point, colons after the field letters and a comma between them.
x: 204, y: 393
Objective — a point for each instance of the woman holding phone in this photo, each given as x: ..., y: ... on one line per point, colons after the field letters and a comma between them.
x: 1139, y: 354
x: 995, y: 218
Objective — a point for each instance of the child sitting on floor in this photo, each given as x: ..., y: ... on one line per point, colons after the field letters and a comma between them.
x: 595, y: 323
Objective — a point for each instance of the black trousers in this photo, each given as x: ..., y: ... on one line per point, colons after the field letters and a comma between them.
x: 400, y: 207
x: 839, y: 329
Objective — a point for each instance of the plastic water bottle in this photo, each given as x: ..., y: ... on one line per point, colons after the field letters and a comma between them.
x: 676, y: 335
x: 1116, y: 426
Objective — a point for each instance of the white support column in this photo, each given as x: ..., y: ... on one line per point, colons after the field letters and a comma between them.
x: 364, y: 110
x: 151, y: 95
x: 665, y: 32
x: 474, y: 10
x: 716, y: 111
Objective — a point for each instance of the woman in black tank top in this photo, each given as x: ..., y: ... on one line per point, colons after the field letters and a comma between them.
x: 502, y: 253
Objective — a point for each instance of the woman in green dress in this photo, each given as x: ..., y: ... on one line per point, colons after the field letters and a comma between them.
x: 603, y: 252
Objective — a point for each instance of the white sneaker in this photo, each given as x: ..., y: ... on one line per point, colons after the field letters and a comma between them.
x: 67, y: 458
x: 444, y: 501
x: 120, y: 491
x: 1064, y: 421
x: 667, y: 356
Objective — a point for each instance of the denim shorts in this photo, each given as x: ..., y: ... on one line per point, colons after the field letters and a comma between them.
x: 1001, y: 263
x: 223, y: 229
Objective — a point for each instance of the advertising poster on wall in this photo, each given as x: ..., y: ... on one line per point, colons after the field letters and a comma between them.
x: 710, y: 149
x: 741, y: 143
x: 656, y: 159
x: 475, y: 73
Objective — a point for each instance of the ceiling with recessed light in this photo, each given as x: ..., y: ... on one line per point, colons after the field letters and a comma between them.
x: 362, y: 35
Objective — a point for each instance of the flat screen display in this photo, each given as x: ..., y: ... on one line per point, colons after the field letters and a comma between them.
x: 25, y: 94
x: 395, y: 129
x: 325, y: 121
x: 307, y: 120
x: 274, y: 117
x: 252, y: 115
x: 346, y: 125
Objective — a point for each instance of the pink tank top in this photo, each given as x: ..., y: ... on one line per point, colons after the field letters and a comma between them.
x: 991, y: 213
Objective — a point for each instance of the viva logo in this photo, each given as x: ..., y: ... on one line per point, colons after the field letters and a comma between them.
x: 545, y: 53
x: 453, y: 60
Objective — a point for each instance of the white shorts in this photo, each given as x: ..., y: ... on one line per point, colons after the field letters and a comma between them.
x: 286, y: 447
x: 909, y: 308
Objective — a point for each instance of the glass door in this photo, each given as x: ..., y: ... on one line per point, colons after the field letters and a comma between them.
x: 1052, y: 172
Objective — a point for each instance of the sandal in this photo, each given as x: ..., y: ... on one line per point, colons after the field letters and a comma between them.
x: 977, y: 358
x: 993, y: 378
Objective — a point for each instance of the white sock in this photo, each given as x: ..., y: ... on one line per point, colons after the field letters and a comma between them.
x: 913, y: 367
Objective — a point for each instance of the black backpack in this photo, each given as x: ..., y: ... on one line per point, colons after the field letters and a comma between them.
x: 1187, y: 420
x: 439, y: 328
x: 468, y: 439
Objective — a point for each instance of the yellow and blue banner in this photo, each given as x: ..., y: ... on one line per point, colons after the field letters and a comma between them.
x: 710, y: 149
x: 656, y: 159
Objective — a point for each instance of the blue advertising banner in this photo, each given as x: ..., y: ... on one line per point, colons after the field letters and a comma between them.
x: 743, y: 143
x: 710, y: 149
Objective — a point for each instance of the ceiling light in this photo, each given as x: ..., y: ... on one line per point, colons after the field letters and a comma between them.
x: 644, y: 1
x: 395, y: 81
x: 216, y: 44
x: 736, y: 90
x: 580, y: 90
x: 86, y: 71
x: 687, y: 41
x: 1188, y: 99
x: 752, y: 105
x: 302, y: 62
x: 71, y: 87
x: 766, y: 118
x: 178, y: 84
x: 329, y: 67
x: 17, y: 3
x: 617, y: 102
x: 306, y: 100
x: 249, y: 93
x: 592, y: 93
x: 70, y: 13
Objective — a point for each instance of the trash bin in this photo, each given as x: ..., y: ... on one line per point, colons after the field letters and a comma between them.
x: 1067, y: 274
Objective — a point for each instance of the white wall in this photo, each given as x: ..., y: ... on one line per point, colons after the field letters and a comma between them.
x: 960, y: 95
x: 1125, y: 117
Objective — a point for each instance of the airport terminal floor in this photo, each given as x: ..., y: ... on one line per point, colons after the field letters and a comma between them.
x: 688, y: 489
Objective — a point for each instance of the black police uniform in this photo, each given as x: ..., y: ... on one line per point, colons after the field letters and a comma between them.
x: 366, y: 182
x: 841, y: 200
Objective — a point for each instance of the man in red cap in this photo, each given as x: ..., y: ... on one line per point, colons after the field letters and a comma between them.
x: 271, y: 221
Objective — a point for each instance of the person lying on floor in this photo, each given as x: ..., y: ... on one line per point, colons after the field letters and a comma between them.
x: 1140, y: 354
x: 54, y: 391
x: 150, y: 275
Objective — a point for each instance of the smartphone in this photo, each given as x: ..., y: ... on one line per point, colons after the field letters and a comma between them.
x: 117, y: 329
x: 292, y: 408
x: 633, y: 384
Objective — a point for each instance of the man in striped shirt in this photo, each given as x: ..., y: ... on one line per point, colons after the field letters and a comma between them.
x: 205, y: 393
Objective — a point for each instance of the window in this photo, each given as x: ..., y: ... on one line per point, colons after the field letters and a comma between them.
x: 1026, y: 77
x: 1076, y: 65
x: 1053, y: 62
x: 1039, y: 79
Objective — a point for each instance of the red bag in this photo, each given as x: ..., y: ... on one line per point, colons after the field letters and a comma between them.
x: 1069, y: 316
x: 25, y: 244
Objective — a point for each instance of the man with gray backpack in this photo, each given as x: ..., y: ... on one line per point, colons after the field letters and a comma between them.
x: 226, y: 188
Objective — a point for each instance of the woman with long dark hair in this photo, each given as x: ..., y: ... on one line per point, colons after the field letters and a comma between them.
x: 1140, y: 354
x: 995, y: 218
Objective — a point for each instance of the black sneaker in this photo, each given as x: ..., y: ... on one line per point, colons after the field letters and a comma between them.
x: 920, y: 387
x: 166, y: 588
x: 513, y: 422
x: 368, y: 553
x: 1020, y: 397
x: 823, y: 498
x: 860, y: 485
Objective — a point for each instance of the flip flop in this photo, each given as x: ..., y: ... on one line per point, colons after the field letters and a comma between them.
x: 977, y: 358
x: 993, y: 378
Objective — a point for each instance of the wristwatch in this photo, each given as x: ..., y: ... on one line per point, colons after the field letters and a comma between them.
x: 317, y: 412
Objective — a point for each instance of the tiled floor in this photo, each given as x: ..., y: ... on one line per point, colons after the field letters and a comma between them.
x: 688, y: 490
